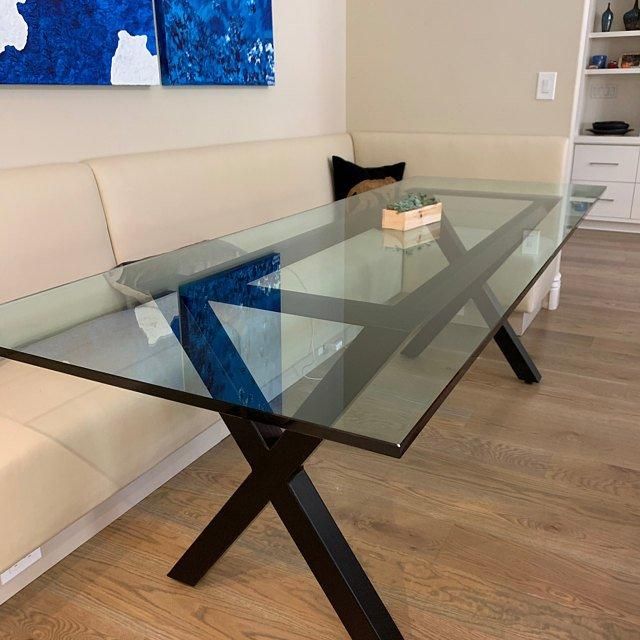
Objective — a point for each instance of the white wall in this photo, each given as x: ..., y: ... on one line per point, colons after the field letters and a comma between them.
x: 461, y: 66
x: 51, y: 124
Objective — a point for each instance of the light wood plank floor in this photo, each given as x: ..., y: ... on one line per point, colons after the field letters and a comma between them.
x: 515, y: 516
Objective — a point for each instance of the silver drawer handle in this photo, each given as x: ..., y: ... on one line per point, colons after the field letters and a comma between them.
x: 605, y: 164
x: 607, y: 200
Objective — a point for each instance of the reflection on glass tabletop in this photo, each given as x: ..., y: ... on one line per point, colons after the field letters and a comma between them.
x: 322, y: 322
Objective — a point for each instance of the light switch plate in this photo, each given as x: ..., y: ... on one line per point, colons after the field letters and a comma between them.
x: 547, y: 81
x: 530, y: 242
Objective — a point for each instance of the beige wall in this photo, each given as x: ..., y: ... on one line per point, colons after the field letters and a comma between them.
x: 48, y: 124
x: 458, y: 66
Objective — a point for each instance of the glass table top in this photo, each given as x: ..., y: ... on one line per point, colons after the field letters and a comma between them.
x: 321, y: 322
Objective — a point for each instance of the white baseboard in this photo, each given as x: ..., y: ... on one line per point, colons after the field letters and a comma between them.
x: 607, y: 225
x: 104, y: 514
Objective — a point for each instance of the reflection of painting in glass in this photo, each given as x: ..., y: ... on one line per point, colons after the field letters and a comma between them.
x: 228, y: 42
x: 218, y: 319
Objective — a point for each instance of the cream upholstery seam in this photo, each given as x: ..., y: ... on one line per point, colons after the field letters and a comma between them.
x: 104, y: 209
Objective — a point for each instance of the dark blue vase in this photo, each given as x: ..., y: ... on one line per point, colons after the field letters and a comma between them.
x: 632, y: 18
x: 607, y: 19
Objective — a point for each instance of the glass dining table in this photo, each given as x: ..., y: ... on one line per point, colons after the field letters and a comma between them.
x: 317, y: 326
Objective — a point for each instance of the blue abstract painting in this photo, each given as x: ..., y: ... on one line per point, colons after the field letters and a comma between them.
x: 228, y: 42
x: 91, y: 42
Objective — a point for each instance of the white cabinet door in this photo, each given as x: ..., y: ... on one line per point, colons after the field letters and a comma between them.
x: 605, y: 163
x: 615, y: 202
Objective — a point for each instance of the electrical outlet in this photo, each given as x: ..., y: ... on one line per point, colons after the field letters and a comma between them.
x: 604, y: 91
x: 20, y: 566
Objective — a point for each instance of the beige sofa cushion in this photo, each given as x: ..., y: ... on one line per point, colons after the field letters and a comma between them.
x: 156, y: 202
x: 52, y: 228
x: 489, y: 157
x: 84, y: 440
x: 66, y: 445
x: 87, y: 299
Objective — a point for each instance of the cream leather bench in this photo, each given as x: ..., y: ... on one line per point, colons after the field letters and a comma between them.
x: 69, y: 446
x: 66, y: 444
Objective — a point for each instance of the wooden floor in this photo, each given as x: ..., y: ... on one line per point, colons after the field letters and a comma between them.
x: 515, y: 516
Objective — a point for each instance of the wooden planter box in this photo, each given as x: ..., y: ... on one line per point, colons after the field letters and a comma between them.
x: 406, y: 240
x: 411, y: 219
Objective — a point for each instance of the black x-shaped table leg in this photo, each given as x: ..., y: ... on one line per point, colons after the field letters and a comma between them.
x: 277, y: 476
x: 505, y: 337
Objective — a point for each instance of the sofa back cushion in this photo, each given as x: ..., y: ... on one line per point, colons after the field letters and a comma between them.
x: 52, y: 228
x: 485, y: 157
x: 157, y: 202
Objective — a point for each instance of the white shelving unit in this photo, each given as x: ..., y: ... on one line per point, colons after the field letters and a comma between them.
x: 609, y: 94
x: 630, y: 140
x: 611, y: 72
x: 614, y: 34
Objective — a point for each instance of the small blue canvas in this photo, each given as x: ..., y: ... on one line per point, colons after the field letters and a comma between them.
x: 90, y: 42
x: 226, y: 42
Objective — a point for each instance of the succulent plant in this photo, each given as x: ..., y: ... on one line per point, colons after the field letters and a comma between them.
x: 413, y: 201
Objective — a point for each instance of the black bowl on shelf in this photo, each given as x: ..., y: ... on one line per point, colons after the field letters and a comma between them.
x: 610, y: 124
x: 610, y: 132
x: 610, y: 128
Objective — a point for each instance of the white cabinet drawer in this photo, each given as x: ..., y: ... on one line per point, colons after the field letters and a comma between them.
x: 615, y: 202
x: 604, y: 162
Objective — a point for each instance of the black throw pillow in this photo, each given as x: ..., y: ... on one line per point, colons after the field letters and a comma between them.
x: 349, y: 179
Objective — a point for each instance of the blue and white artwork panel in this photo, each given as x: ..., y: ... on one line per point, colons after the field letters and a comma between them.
x: 78, y: 42
x: 223, y: 42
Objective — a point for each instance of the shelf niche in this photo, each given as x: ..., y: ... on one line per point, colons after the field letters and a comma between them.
x: 610, y: 94
x: 614, y: 34
x: 619, y: 8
